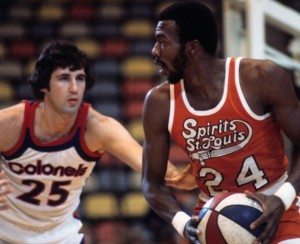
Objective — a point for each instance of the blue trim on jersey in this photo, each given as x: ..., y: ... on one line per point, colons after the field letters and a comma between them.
x: 79, y: 149
x: 73, y: 142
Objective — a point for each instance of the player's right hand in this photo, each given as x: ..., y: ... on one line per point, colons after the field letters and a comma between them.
x: 4, y: 190
x: 190, y: 230
x: 273, y: 209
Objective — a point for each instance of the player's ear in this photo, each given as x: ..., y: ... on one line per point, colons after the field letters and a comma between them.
x: 44, y: 90
x: 192, y: 47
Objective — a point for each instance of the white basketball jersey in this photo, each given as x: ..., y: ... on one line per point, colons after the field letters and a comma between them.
x: 47, y: 179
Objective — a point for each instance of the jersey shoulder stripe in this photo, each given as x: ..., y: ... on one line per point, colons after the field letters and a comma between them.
x: 75, y: 138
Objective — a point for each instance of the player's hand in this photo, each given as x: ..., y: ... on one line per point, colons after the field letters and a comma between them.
x: 4, y: 190
x: 181, y: 179
x: 273, y: 209
x: 190, y: 230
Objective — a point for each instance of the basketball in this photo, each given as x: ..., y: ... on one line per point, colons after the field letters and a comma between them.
x: 226, y: 218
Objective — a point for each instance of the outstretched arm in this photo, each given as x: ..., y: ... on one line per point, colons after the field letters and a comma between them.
x: 107, y: 134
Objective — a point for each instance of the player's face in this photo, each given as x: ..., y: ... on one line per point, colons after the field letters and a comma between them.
x: 168, y: 51
x: 66, y: 90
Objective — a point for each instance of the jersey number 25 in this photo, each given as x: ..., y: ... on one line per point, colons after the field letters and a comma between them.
x: 38, y: 187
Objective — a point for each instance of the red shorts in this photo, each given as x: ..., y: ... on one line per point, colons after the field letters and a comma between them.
x: 289, y: 226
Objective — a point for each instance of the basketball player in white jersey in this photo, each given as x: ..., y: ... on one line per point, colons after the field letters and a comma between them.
x: 227, y: 115
x: 49, y: 148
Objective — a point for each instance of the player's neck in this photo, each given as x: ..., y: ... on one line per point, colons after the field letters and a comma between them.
x: 50, y: 125
x: 204, y: 84
x: 204, y: 75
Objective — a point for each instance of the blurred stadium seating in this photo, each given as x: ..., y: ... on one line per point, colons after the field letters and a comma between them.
x: 118, y: 37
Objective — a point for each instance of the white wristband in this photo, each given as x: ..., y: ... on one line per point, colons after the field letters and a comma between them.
x: 287, y: 194
x: 179, y: 221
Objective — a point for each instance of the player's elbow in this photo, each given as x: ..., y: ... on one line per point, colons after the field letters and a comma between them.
x: 146, y: 189
x: 149, y: 190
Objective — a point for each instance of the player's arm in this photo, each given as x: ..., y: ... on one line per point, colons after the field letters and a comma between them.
x: 107, y: 134
x: 10, y: 126
x: 276, y: 91
x: 155, y: 157
x: 11, y: 120
x: 286, y: 109
x: 279, y: 94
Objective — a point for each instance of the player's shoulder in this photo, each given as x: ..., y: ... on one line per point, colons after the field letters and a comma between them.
x: 12, y: 114
x: 94, y: 115
x: 99, y: 128
x: 95, y: 129
x: 159, y: 93
x: 11, y: 120
x: 157, y: 105
x: 261, y: 69
x: 96, y: 121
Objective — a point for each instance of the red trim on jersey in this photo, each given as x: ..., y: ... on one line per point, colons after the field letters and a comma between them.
x: 28, y: 124
x: 61, y: 140
x: 232, y: 92
x: 22, y: 133
x: 82, y: 122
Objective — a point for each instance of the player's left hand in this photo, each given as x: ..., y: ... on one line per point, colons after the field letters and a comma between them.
x: 273, y: 208
x: 191, y: 231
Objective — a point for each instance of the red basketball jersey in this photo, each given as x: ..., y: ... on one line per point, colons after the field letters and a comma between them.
x: 231, y: 148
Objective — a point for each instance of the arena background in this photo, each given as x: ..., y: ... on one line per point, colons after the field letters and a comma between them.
x: 118, y: 37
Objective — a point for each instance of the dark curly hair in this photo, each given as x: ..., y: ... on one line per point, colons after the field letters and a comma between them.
x: 195, y: 21
x: 58, y: 54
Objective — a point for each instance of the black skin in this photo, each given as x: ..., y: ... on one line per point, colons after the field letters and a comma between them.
x: 273, y: 92
x: 190, y: 230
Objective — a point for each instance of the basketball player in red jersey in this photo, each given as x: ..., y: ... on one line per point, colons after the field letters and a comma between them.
x: 49, y: 148
x: 227, y: 115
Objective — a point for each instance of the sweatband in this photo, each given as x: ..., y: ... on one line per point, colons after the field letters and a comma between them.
x: 287, y: 194
x: 179, y: 221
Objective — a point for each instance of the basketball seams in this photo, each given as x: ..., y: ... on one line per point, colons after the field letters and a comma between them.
x: 238, y: 198
x: 228, y: 215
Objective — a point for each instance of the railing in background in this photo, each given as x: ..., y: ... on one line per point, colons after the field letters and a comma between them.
x: 245, y: 31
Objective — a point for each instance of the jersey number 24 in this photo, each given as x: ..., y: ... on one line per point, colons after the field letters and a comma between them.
x: 250, y: 172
